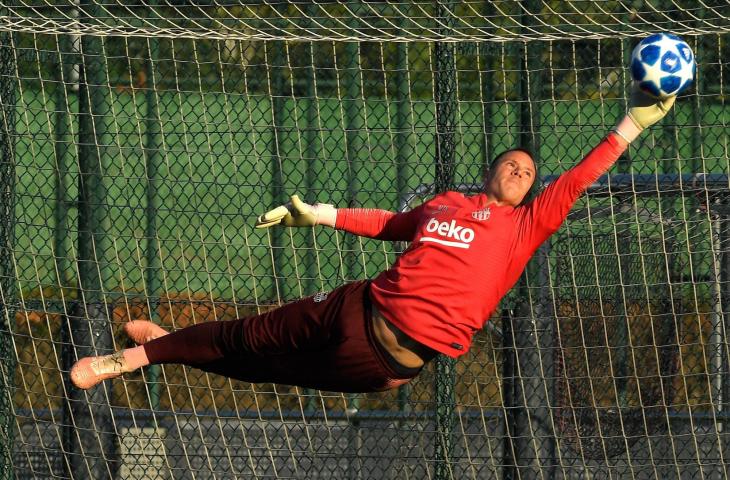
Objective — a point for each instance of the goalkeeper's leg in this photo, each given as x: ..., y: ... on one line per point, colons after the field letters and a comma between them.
x: 324, y: 341
x: 142, y: 331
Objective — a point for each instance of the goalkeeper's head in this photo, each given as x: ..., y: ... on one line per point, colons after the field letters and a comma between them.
x: 510, y: 177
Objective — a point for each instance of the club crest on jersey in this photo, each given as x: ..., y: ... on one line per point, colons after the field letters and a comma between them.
x: 481, y: 215
x: 320, y: 297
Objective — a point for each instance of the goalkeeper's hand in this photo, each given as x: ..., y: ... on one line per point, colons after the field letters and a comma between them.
x: 644, y: 111
x: 297, y: 213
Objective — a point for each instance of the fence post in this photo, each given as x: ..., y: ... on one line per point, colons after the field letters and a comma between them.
x: 509, y: 377
x: 534, y: 440
x: 446, y: 105
x: 403, y: 151
x: 92, y: 440
x: 7, y: 240
x: 486, y: 75
x: 68, y: 83
x: 68, y: 75
x: 354, y: 109
x: 724, y: 326
x: 403, y: 127
x: 533, y: 332
x: 312, y: 152
x: 312, y: 183
x: 276, y: 92
x: 152, y: 157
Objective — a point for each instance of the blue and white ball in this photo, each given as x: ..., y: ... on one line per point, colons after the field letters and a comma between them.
x: 663, y: 65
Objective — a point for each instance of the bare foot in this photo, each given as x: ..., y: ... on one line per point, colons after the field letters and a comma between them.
x: 142, y: 331
x: 90, y: 371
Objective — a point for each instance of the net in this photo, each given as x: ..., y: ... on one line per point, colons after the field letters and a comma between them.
x: 616, y: 362
x: 145, y: 138
x: 500, y: 20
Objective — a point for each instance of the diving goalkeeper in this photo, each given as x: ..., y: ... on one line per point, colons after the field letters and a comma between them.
x: 465, y: 253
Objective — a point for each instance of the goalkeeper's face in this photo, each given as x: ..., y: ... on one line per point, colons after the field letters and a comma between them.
x: 510, y: 178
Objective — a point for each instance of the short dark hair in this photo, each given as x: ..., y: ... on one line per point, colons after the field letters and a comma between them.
x: 499, y: 156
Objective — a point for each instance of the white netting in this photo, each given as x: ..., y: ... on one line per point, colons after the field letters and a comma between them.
x: 507, y: 20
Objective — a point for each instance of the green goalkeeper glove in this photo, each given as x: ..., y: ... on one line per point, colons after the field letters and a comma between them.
x: 297, y: 213
x: 644, y: 111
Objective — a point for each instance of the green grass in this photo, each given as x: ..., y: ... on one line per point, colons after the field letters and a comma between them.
x: 216, y: 164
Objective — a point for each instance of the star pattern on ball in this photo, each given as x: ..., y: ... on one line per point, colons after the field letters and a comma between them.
x: 669, y: 69
x: 663, y: 65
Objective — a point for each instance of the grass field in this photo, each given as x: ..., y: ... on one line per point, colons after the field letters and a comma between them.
x: 215, y: 173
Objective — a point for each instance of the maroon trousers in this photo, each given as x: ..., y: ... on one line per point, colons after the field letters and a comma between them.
x: 324, y: 342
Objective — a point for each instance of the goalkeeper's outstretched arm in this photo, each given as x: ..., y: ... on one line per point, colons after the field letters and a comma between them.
x: 365, y: 222
x: 544, y: 214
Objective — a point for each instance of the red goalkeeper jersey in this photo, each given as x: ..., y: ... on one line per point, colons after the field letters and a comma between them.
x: 465, y: 254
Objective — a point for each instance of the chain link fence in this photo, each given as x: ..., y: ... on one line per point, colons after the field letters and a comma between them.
x: 134, y: 166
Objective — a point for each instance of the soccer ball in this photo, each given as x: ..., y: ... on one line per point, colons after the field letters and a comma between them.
x: 663, y: 65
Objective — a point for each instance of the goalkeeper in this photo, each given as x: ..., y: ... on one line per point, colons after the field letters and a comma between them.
x: 465, y: 253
